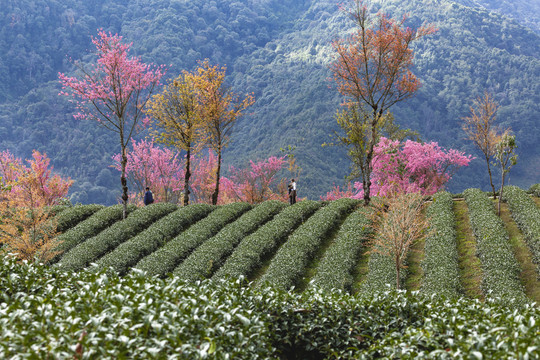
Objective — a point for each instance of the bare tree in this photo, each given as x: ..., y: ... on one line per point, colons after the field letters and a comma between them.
x: 479, y: 127
x: 399, y: 224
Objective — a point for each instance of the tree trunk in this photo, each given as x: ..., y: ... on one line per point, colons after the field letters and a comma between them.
x: 123, y: 179
x: 500, y: 195
x: 187, y: 175
x: 369, y: 157
x: 397, y: 274
x: 491, y: 178
x: 218, y: 171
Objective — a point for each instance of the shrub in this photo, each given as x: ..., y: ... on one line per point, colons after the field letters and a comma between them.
x: 336, y: 267
x: 48, y: 313
x: 94, y: 248
x: 289, y: 263
x: 89, y: 228
x: 440, y: 263
x: 130, y: 252
x: 534, y: 190
x: 210, y: 255
x: 249, y: 253
x: 166, y: 258
x: 500, y: 267
x: 71, y: 216
x: 381, y: 274
x: 527, y: 216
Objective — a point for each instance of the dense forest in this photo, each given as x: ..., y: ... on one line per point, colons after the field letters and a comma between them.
x: 280, y: 51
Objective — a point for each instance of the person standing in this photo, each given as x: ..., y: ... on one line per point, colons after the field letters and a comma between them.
x: 289, y: 187
x: 148, y: 197
x: 293, y: 192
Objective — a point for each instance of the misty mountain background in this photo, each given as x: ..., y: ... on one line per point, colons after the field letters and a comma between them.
x: 280, y: 51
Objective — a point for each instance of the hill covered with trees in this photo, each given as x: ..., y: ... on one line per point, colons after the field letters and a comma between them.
x: 280, y: 51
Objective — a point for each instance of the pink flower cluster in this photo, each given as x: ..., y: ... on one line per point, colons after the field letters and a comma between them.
x: 32, y: 186
x: 163, y: 171
x: 148, y: 165
x: 112, y: 83
x: 258, y: 182
x: 408, y: 167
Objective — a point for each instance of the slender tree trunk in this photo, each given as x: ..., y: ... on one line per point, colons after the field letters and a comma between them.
x: 187, y: 175
x: 491, y: 178
x: 366, y: 181
x: 123, y: 179
x: 397, y: 274
x: 369, y: 157
x: 500, y: 195
x: 218, y: 171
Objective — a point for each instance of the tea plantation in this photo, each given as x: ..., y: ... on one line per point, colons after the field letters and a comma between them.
x: 274, y: 281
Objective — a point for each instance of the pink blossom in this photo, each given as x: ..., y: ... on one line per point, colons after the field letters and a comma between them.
x: 408, y: 167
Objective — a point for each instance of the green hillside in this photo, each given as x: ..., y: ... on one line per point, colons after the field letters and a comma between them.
x: 280, y: 51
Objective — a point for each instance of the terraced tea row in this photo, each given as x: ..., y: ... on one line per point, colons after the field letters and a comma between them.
x: 440, y: 264
x: 276, y: 244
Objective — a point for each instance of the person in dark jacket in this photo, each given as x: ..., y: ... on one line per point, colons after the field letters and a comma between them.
x: 148, y: 197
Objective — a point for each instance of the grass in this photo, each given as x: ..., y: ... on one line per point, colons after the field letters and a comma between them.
x: 361, y: 270
x: 469, y: 265
x: 528, y: 275
x: 414, y: 270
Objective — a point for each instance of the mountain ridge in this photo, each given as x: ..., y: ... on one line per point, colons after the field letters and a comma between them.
x: 279, y: 50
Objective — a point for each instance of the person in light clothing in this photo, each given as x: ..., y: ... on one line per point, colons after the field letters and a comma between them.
x: 292, y: 192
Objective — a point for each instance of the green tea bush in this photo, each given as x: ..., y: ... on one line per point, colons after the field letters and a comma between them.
x: 94, y: 248
x: 46, y: 313
x: 289, y: 263
x: 130, y: 252
x: 74, y: 215
x: 527, y: 216
x: 166, y: 259
x: 534, y: 190
x: 208, y: 257
x: 88, y: 228
x: 440, y: 263
x: 500, y: 267
x: 57, y: 209
x: 381, y: 274
x: 250, y: 253
x: 336, y: 267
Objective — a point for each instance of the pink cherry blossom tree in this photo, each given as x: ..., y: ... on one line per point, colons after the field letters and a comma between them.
x: 150, y: 166
x: 258, y: 182
x: 414, y: 167
x: 408, y: 167
x: 114, y: 92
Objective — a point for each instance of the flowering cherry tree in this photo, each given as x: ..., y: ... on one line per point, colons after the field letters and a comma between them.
x: 253, y: 184
x: 372, y: 69
x: 114, y: 92
x: 159, y: 169
x: 259, y: 181
x: 413, y: 167
x: 408, y: 167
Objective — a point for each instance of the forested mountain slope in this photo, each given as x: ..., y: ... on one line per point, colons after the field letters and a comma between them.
x: 280, y: 51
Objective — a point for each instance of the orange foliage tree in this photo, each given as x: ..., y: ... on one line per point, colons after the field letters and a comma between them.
x: 219, y: 109
x: 372, y: 69
x: 178, y: 122
x: 27, y: 226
